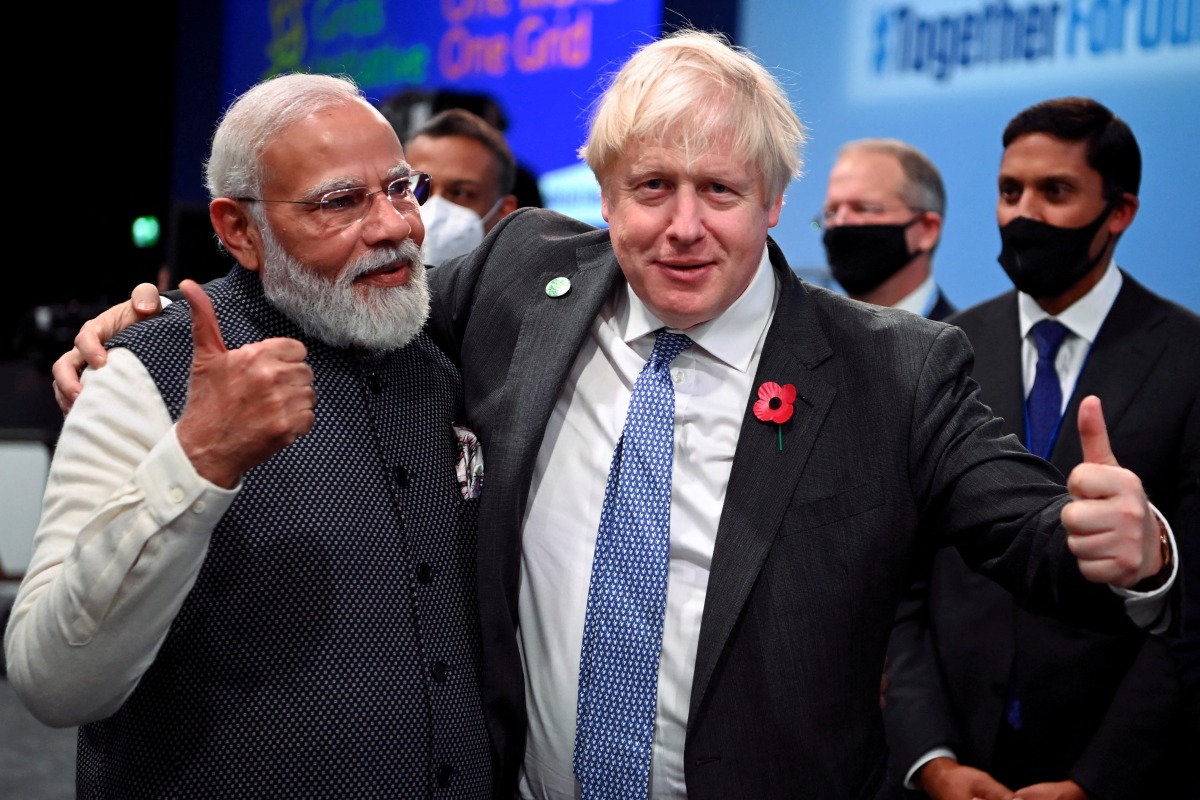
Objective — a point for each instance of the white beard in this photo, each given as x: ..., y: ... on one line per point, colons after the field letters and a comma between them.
x: 338, y: 312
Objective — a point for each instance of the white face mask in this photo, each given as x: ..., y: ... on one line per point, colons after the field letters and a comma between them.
x: 450, y: 230
x: 487, y: 218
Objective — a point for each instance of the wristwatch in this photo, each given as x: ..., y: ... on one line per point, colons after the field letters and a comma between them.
x: 1164, y: 543
x: 1156, y: 580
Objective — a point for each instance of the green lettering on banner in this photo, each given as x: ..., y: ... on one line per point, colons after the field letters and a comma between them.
x: 380, y: 66
x: 334, y: 18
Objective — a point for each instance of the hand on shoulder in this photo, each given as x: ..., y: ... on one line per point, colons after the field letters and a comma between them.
x: 89, y: 349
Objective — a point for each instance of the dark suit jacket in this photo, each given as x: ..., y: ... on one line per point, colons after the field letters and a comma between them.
x: 942, y: 307
x: 888, y: 454
x: 1102, y: 710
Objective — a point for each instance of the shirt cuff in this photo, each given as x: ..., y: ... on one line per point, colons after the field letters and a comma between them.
x: 172, y: 487
x: 937, y: 752
x: 1151, y: 611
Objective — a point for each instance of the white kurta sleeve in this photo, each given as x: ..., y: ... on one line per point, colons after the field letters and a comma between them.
x: 125, y: 526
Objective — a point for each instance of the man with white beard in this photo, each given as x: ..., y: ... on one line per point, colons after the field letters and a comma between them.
x: 254, y: 572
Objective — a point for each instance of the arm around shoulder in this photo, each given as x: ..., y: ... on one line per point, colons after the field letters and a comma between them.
x: 89, y: 348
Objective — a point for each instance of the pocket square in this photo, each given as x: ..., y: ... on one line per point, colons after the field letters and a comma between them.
x: 470, y: 462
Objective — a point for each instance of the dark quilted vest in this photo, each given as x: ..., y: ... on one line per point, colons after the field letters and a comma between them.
x: 330, y: 646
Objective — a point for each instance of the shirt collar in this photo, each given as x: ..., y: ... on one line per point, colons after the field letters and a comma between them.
x: 1085, y: 316
x: 731, y: 337
x: 919, y: 300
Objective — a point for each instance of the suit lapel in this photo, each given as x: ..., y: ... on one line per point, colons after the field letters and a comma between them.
x: 1129, y: 343
x: 997, y: 336
x: 552, y: 332
x: 941, y: 307
x: 763, y: 478
x: 1126, y: 349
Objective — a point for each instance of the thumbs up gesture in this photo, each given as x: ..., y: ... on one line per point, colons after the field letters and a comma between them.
x: 1110, y: 527
x: 243, y: 405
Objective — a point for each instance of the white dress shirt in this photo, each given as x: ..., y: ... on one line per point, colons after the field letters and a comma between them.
x: 125, y: 526
x: 1082, y: 320
x: 920, y: 300
x: 712, y: 378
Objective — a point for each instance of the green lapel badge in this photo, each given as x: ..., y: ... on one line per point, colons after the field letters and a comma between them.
x: 558, y: 287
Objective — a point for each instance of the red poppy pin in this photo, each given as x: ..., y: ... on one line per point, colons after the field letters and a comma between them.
x: 775, y: 404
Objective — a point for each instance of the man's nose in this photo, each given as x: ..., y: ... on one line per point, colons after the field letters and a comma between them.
x: 1027, y: 205
x: 686, y: 217
x: 384, y: 222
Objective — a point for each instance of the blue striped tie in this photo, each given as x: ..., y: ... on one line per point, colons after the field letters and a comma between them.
x: 622, y: 632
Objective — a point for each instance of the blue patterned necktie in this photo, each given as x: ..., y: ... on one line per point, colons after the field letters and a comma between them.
x: 622, y: 632
x: 1044, y: 406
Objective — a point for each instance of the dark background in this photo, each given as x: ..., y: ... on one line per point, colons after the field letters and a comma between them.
x: 93, y: 146
x: 103, y: 154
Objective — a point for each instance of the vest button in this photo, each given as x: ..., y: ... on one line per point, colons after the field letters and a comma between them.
x: 440, y: 671
x: 444, y: 773
x: 374, y: 382
x: 424, y: 572
x: 402, y: 477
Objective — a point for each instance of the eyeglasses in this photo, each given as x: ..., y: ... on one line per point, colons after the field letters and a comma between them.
x: 865, y: 212
x: 343, y: 207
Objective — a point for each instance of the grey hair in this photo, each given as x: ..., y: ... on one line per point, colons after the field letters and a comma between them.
x: 692, y: 89
x: 923, y: 189
x: 257, y: 117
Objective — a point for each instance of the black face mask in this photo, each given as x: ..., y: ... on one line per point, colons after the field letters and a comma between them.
x: 863, y: 256
x: 1044, y: 260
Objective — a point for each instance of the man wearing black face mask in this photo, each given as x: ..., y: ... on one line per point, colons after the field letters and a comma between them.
x: 985, y: 699
x: 882, y: 221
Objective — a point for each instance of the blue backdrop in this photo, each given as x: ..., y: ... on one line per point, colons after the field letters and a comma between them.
x: 542, y: 60
x: 947, y: 75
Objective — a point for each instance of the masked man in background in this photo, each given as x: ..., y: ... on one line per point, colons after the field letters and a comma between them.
x: 986, y: 698
x: 884, y: 209
x: 473, y: 175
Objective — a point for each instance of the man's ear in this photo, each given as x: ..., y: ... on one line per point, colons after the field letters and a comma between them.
x: 930, y: 231
x: 507, y: 206
x: 1122, y: 216
x: 238, y: 231
x: 774, y: 210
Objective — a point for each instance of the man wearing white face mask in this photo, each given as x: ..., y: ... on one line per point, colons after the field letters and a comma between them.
x: 451, y: 229
x: 473, y: 173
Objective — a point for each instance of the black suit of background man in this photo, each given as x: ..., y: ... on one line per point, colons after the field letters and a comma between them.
x: 1099, y: 712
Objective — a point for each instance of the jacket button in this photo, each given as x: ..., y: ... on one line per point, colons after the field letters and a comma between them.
x: 374, y: 382
x: 424, y: 572
x: 439, y: 671
x: 444, y: 773
x: 402, y: 477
